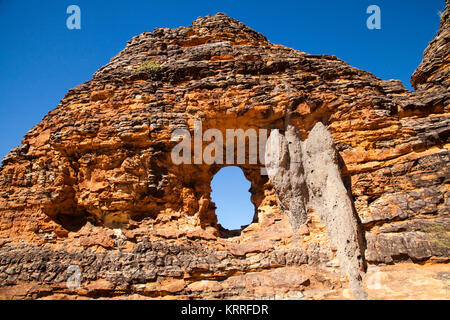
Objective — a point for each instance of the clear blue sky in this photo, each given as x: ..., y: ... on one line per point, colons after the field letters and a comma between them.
x: 40, y: 59
x: 232, y: 197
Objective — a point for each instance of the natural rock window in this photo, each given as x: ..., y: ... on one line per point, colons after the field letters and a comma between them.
x: 230, y: 193
x: 94, y: 184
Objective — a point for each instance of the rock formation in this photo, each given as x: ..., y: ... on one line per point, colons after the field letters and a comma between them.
x: 363, y: 187
x: 307, y: 173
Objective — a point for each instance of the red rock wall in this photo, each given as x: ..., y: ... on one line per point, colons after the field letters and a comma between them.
x: 93, y: 184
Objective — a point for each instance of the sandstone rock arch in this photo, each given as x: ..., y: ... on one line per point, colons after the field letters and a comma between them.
x: 96, y: 174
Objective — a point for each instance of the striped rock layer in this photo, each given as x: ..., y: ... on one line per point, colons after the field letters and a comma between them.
x: 93, y: 184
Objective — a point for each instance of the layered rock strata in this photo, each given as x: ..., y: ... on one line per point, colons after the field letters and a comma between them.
x: 93, y: 185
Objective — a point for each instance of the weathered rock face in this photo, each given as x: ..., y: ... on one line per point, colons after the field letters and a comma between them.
x: 94, y: 185
x: 306, y: 175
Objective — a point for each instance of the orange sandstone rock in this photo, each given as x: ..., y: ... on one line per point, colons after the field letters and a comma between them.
x: 93, y: 183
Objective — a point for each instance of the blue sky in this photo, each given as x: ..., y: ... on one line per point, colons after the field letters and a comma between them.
x: 40, y: 59
x: 230, y: 193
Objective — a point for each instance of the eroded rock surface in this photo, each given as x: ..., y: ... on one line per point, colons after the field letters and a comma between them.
x: 93, y: 184
x: 306, y: 176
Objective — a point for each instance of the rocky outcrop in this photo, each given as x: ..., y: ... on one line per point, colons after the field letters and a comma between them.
x: 93, y: 184
x: 306, y: 176
x: 433, y: 71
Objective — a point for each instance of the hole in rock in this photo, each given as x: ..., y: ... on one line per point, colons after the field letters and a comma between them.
x: 230, y: 193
